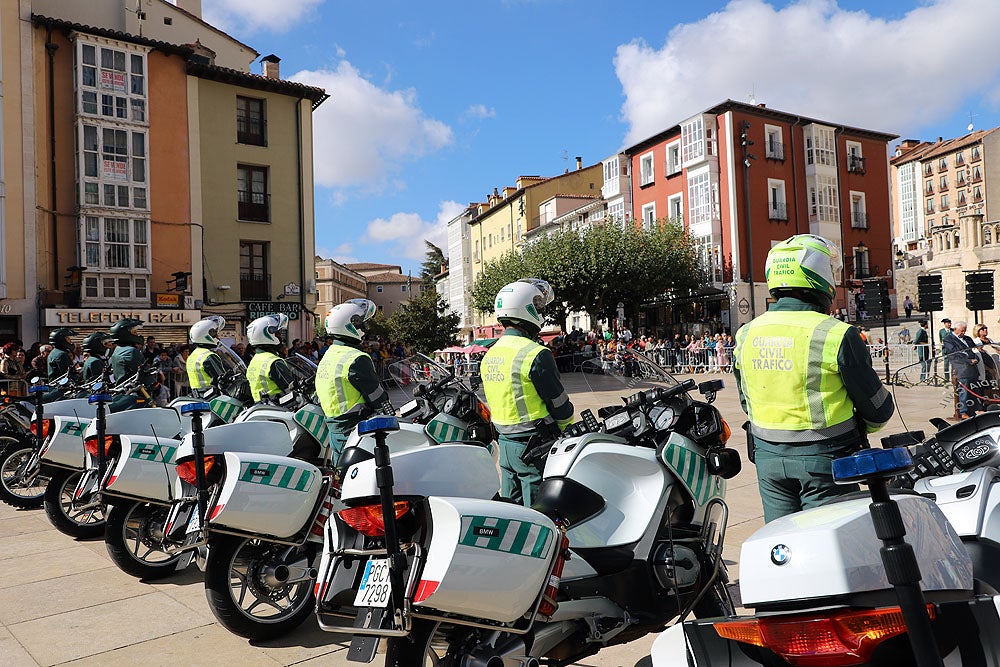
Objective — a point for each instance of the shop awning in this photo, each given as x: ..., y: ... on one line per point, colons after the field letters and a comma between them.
x: 485, y: 342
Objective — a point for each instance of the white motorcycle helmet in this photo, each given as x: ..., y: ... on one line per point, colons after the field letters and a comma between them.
x: 206, y: 331
x: 521, y: 304
x: 266, y: 330
x: 346, y: 320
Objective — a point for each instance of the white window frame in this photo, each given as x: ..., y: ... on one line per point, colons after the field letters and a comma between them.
x: 98, y: 169
x: 821, y: 147
x: 616, y: 211
x: 700, y: 204
x: 673, y: 163
x: 104, y: 88
x: 693, y: 137
x: 647, y: 169
x: 675, y: 209
x: 611, y: 170
x: 774, y: 148
x: 823, y: 199
x: 859, y: 206
x: 96, y: 286
x: 649, y: 215
x: 97, y: 241
x: 776, y: 199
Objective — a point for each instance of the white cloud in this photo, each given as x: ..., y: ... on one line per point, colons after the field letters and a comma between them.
x: 814, y: 58
x: 363, y: 132
x: 406, y: 232
x: 480, y: 111
x: 236, y: 16
x: 344, y: 253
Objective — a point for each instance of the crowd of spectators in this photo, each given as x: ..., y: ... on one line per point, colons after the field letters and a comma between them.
x: 682, y: 353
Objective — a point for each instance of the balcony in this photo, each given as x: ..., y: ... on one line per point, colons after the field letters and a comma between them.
x: 254, y: 206
x: 255, y: 286
x: 859, y: 220
x: 855, y: 164
x: 775, y: 150
x: 777, y: 211
x: 253, y: 132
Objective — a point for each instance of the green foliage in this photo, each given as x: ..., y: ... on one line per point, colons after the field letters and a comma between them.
x: 424, y: 322
x: 380, y: 325
x: 431, y: 265
x: 593, y: 270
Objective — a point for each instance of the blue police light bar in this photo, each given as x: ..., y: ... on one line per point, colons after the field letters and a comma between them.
x: 380, y: 423
x: 100, y: 398
x: 870, y: 464
x: 200, y: 406
x: 38, y: 388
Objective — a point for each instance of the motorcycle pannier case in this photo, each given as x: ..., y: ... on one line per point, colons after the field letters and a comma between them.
x: 146, y: 468
x: 486, y: 559
x: 266, y: 495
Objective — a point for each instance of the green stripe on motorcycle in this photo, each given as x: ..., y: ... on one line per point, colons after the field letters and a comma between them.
x: 283, y: 477
x: 164, y: 453
x: 73, y: 428
x: 482, y: 532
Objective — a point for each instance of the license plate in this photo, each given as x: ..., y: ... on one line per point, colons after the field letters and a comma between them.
x: 195, y: 523
x: 375, y: 587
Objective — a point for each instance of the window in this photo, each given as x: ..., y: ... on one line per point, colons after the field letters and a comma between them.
x: 960, y: 178
x: 961, y: 197
x: 696, y: 140
x: 976, y: 153
x: 378, y: 289
x: 611, y: 170
x: 861, y: 263
x: 855, y: 161
x: 942, y: 164
x: 859, y: 213
x: 118, y: 288
x: 673, y: 158
x: 929, y: 188
x: 930, y: 206
x: 251, y: 192
x: 649, y: 215
x: 403, y: 288
x: 820, y: 146
x: 943, y: 183
x: 977, y: 193
x: 675, y: 210
x: 646, y: 169
x: 115, y: 244
x: 699, y: 197
x: 706, y: 253
x: 616, y: 211
x: 959, y: 159
x: 255, y: 278
x: 112, y: 160
x: 111, y: 82
x: 944, y: 203
x: 928, y: 169
x: 823, y: 199
x: 773, y: 148
x: 776, y: 208
x: 250, y: 122
x: 977, y: 173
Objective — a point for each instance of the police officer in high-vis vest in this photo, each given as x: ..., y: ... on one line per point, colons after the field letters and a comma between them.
x: 346, y: 382
x: 60, y: 359
x: 204, y: 366
x: 522, y: 385
x: 95, y: 345
x: 806, y: 380
x: 126, y: 360
x: 267, y: 372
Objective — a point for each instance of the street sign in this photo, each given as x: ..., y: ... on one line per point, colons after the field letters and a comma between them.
x: 257, y: 309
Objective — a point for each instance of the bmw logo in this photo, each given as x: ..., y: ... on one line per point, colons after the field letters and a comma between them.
x: 780, y: 554
x: 354, y: 473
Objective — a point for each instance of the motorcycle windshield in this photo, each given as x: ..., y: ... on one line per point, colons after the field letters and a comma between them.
x: 418, y: 370
x: 302, y: 367
x: 625, y: 372
x: 230, y: 359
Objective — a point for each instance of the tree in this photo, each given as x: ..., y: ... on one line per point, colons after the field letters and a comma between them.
x: 431, y: 265
x: 425, y: 322
x: 591, y: 271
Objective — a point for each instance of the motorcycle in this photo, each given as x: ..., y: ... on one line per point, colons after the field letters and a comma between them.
x: 626, y: 533
x: 267, y: 519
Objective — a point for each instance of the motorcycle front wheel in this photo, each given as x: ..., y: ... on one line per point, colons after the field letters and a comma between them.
x: 258, y: 589
x: 18, y: 487
x: 59, y: 507
x: 134, y: 539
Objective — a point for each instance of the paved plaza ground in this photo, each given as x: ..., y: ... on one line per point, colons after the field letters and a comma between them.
x: 64, y: 601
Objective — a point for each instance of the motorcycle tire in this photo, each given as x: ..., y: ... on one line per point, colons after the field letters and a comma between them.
x: 414, y: 650
x: 236, y: 588
x: 131, y: 537
x: 58, y: 500
x: 12, y: 491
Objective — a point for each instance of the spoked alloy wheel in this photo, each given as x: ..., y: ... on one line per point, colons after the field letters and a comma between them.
x: 134, y: 538
x: 258, y: 589
x: 60, y: 509
x: 421, y: 648
x: 19, y: 487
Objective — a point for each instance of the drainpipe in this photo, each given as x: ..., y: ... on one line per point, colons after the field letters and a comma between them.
x: 51, y: 48
x: 302, y: 218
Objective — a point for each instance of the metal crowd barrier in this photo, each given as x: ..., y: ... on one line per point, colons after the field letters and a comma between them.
x: 13, y: 387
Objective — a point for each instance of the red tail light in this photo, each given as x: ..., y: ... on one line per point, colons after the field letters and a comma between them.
x: 90, y: 444
x: 187, y: 472
x: 368, y: 520
x: 46, y: 427
x: 836, y: 638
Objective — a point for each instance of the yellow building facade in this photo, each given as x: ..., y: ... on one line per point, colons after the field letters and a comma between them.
x: 501, y: 223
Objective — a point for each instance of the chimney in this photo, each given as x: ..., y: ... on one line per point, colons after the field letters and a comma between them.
x: 190, y: 6
x: 270, y: 64
x: 579, y: 163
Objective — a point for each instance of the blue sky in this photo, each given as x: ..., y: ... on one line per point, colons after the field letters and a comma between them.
x: 434, y: 104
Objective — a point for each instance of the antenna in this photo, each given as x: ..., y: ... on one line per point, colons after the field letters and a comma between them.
x: 564, y: 154
x: 972, y: 124
x: 752, y: 95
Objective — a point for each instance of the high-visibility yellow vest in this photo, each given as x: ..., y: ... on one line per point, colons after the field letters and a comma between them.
x: 336, y: 394
x: 509, y: 390
x: 259, y: 375
x: 790, y: 378
x: 198, y: 378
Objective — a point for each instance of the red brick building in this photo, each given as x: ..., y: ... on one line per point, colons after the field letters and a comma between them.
x: 805, y: 176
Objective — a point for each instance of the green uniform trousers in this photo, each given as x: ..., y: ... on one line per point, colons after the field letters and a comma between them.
x: 518, y: 480
x: 792, y: 483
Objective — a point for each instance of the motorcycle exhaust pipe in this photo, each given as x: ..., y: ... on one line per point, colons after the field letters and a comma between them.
x: 275, y: 576
x: 510, y: 654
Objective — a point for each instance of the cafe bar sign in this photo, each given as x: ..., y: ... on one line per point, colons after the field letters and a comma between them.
x: 60, y: 317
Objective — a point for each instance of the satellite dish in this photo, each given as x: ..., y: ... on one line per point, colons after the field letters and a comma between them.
x: 969, y: 128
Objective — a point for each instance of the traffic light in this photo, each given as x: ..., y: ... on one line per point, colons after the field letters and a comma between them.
x: 930, y: 297
x: 979, y: 290
x: 876, y: 297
